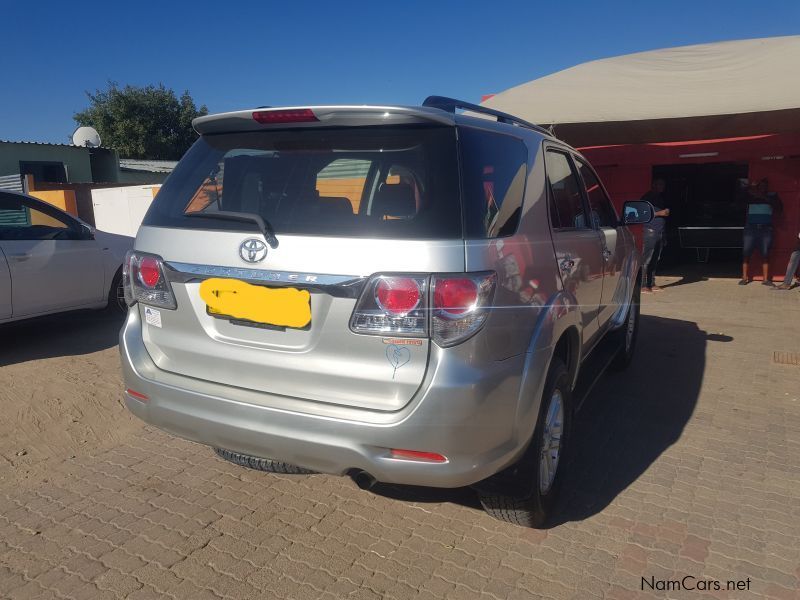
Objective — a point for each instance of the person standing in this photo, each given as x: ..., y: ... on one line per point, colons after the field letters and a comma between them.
x: 791, y: 268
x: 762, y: 206
x: 653, y: 236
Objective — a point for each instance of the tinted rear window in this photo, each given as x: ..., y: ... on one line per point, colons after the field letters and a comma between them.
x: 494, y: 168
x: 358, y: 182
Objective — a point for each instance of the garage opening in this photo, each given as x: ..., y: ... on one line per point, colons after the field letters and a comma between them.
x: 704, y: 231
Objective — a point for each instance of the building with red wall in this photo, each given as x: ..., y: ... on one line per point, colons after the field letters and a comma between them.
x: 627, y: 172
x: 703, y: 118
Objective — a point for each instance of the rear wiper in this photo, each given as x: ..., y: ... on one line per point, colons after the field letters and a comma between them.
x: 263, y: 225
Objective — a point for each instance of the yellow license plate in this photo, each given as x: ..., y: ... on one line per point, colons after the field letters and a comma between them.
x: 283, y: 307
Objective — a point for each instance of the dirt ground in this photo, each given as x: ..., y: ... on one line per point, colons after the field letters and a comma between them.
x: 61, y: 392
x: 685, y: 465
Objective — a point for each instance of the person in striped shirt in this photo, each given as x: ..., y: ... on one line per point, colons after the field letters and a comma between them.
x: 762, y: 206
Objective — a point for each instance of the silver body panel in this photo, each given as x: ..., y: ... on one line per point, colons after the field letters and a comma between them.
x: 325, y: 398
x: 465, y: 411
x: 328, y: 362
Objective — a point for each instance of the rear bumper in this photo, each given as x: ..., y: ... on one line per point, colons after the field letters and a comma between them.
x: 462, y: 412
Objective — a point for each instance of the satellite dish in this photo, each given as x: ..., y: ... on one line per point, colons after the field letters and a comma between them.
x: 86, y: 137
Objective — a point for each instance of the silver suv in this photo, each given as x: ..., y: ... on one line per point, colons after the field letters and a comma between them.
x: 410, y: 295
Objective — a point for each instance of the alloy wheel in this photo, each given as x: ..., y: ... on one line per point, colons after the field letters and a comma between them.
x: 551, y: 441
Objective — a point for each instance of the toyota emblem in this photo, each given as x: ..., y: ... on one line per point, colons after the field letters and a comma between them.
x: 252, y: 250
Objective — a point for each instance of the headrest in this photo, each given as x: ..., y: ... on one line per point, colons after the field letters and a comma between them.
x: 395, y: 200
x: 333, y: 205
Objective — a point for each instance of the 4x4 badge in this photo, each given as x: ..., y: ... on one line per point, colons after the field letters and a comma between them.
x: 252, y: 250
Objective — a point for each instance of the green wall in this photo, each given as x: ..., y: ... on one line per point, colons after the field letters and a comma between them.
x: 76, y: 159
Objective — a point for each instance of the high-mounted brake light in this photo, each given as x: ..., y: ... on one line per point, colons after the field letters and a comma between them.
x: 291, y: 115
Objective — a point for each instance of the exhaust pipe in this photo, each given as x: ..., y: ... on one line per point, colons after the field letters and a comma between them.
x: 364, y: 480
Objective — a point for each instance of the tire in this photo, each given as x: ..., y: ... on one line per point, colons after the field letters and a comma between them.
x: 524, y: 499
x: 261, y: 464
x: 116, y: 295
x: 628, y: 333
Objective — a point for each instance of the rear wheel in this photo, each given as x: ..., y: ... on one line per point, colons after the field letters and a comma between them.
x: 628, y: 333
x: 261, y: 464
x: 531, y: 486
x: 116, y: 295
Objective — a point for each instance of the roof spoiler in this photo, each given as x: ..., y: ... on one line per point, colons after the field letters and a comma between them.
x: 451, y: 105
x: 323, y: 116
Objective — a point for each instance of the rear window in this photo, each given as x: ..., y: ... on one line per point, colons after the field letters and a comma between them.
x: 356, y: 182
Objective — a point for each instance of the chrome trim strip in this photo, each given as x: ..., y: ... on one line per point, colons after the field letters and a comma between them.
x: 341, y: 286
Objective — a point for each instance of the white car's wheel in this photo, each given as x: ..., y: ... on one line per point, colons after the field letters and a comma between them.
x: 116, y: 295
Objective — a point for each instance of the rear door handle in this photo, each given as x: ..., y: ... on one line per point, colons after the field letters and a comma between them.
x: 20, y: 256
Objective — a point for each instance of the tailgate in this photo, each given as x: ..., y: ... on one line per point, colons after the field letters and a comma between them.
x: 323, y: 362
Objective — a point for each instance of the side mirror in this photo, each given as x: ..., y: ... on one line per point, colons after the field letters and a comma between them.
x: 637, y: 212
x: 87, y: 232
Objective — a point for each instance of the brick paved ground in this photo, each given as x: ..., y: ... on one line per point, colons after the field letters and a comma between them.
x: 687, y: 465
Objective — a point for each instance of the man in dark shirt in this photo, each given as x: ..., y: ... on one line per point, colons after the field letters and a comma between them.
x: 653, y: 236
x: 762, y: 206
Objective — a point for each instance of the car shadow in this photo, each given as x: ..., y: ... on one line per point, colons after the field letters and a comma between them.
x: 632, y: 417
x: 65, y: 334
x: 628, y: 420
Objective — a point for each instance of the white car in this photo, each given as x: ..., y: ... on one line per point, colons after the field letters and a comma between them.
x: 51, y: 261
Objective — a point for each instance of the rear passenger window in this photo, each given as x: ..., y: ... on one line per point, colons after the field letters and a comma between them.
x: 494, y: 167
x: 603, y: 213
x: 566, y: 200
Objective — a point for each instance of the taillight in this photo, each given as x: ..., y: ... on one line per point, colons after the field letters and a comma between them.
x: 144, y: 281
x: 455, y: 296
x: 460, y: 306
x: 394, y: 305
x: 290, y: 115
x: 149, y: 272
x: 450, y: 308
x: 397, y: 295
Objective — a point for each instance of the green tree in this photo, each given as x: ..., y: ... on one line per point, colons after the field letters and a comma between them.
x: 142, y: 122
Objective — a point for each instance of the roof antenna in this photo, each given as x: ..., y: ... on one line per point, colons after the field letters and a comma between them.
x: 552, y: 130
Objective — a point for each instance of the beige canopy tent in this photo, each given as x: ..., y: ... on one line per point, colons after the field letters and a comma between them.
x: 708, y: 91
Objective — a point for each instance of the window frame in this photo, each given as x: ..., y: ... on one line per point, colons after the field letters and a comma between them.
x: 568, y: 153
x: 580, y: 160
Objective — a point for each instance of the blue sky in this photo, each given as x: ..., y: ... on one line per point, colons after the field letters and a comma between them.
x: 233, y: 55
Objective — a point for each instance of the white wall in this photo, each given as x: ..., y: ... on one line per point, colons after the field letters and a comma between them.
x: 120, y: 210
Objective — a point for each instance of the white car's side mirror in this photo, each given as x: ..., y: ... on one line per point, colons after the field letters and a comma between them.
x: 87, y: 231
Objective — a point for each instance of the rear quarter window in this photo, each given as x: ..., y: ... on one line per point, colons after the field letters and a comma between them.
x: 494, y: 170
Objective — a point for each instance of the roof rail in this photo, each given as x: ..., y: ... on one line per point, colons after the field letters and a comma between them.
x: 451, y: 105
